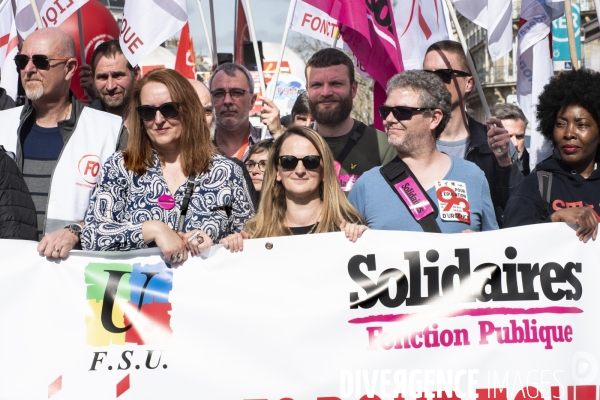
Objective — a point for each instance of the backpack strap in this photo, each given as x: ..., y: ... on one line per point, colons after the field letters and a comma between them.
x: 407, y: 187
x: 545, y: 187
x: 354, y: 138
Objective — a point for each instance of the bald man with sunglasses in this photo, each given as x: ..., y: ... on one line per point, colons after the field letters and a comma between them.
x: 422, y: 189
x: 466, y: 138
x: 59, y: 144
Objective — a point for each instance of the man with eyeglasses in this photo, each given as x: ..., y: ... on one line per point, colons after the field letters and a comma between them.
x: 422, y: 189
x: 466, y: 138
x: 59, y: 144
x: 331, y: 88
x: 232, y: 92
x: 511, y: 118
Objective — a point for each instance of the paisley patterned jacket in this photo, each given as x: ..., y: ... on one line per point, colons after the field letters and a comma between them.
x: 123, y: 200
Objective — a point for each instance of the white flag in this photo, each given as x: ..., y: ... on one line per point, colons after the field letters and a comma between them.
x: 147, y: 24
x: 496, y: 17
x: 52, y: 14
x: 534, y: 64
x: 425, y: 23
x: 312, y: 22
x: 8, y: 49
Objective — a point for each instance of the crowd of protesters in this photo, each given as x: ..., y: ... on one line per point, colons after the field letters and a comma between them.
x: 162, y: 161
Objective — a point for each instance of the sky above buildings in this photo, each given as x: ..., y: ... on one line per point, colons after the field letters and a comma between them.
x: 269, y: 22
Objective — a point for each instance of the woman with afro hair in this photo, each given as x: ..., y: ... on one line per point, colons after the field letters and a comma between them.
x: 569, y: 113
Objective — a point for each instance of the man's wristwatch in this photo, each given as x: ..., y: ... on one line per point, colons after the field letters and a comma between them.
x: 75, y: 229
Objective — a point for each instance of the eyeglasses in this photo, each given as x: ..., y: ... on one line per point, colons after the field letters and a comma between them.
x: 39, y: 61
x: 289, y: 163
x: 235, y: 93
x: 261, y: 165
x: 167, y: 110
x: 400, y: 113
x: 446, y: 74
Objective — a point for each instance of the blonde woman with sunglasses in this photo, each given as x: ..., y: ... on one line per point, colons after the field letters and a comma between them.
x: 301, y: 194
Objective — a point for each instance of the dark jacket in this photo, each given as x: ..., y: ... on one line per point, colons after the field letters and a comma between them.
x: 18, y: 219
x: 502, y: 180
x: 6, y: 101
x: 568, y: 189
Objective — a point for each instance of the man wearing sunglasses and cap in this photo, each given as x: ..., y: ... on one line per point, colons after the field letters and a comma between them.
x: 466, y: 138
x: 422, y: 189
x: 60, y: 145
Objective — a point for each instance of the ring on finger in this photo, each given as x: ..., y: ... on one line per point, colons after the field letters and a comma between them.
x: 173, y: 257
x: 57, y: 250
x: 179, y: 256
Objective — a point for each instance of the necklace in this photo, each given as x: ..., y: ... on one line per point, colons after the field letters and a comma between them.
x: 313, y: 228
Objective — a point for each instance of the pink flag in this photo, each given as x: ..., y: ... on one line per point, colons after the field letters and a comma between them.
x: 369, y: 30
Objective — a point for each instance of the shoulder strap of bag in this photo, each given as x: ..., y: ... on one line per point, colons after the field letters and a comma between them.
x: 354, y: 138
x: 189, y: 190
x: 545, y: 187
x: 406, y: 186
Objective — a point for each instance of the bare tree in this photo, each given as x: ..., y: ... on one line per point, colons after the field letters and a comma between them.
x: 362, y: 109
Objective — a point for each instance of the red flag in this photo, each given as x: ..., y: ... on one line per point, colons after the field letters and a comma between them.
x: 242, y: 34
x: 368, y: 28
x: 185, y: 61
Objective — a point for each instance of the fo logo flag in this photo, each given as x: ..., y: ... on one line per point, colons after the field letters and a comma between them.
x: 128, y: 304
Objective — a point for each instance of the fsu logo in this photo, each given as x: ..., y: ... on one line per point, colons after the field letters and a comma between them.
x: 128, y: 304
x: 89, y: 168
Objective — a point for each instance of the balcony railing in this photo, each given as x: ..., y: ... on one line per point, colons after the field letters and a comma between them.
x: 497, y: 74
x: 587, y: 5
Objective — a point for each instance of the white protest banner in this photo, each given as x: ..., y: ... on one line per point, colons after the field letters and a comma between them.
x: 52, y: 13
x: 424, y: 24
x: 496, y: 17
x: 147, y: 24
x: 8, y: 49
x: 535, y: 67
x: 510, y: 314
x: 311, y: 21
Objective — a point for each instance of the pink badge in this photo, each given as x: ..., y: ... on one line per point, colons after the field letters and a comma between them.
x: 347, y: 181
x: 414, y: 197
x: 167, y: 202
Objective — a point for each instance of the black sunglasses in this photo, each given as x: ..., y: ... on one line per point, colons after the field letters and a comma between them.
x: 446, y: 74
x: 289, y: 163
x: 38, y: 60
x: 401, y: 113
x: 167, y: 110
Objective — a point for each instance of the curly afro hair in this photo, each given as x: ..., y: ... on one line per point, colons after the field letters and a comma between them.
x: 578, y: 87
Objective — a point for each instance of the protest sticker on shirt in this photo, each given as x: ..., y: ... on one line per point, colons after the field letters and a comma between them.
x: 453, y: 201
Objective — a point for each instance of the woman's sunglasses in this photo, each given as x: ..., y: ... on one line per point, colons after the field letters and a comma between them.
x: 38, y: 60
x: 446, y: 74
x: 167, y: 110
x: 400, y: 113
x: 289, y: 163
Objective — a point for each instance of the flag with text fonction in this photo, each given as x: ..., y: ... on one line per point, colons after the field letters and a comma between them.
x: 313, y: 22
x: 421, y: 25
x: 52, y: 14
x: 496, y: 17
x: 369, y: 30
x: 8, y: 49
x: 147, y: 24
x: 185, y: 61
x: 534, y: 65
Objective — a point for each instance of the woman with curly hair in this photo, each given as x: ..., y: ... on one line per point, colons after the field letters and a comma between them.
x: 566, y: 187
x: 301, y: 194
